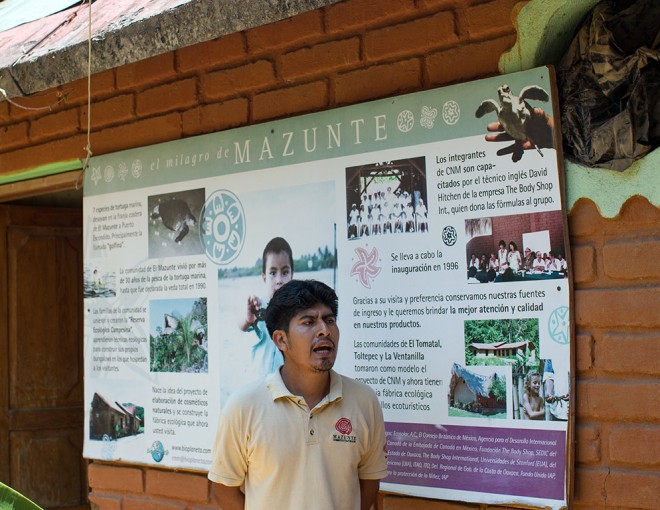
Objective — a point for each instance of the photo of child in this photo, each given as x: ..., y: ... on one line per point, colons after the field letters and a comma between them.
x: 277, y: 269
x: 533, y: 407
x: 281, y: 241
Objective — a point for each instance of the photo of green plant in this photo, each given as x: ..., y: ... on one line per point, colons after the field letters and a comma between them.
x: 178, y: 336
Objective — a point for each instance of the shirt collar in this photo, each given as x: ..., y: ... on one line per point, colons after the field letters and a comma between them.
x: 278, y: 389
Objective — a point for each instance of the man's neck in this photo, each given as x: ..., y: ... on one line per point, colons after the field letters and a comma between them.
x: 312, y: 386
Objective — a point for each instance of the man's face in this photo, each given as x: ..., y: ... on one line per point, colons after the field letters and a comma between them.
x: 312, y: 340
x: 278, y: 271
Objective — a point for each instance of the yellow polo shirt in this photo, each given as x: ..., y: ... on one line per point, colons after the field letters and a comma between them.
x: 291, y: 457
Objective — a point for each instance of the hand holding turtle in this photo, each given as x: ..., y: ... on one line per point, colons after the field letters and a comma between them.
x: 539, y: 129
x: 253, y: 312
x: 529, y: 128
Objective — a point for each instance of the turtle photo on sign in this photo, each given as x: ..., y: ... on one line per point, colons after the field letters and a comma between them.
x: 528, y: 127
x: 173, y: 226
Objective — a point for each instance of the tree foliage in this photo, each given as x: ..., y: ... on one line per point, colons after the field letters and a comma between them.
x: 182, y: 349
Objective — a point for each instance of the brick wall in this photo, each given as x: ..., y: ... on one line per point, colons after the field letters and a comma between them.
x: 349, y: 52
x: 355, y: 51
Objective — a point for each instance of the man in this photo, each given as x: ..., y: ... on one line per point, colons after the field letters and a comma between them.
x: 305, y: 437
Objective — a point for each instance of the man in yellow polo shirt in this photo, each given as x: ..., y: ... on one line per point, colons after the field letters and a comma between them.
x: 305, y: 437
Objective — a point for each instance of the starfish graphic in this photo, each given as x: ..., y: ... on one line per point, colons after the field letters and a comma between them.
x: 96, y: 174
x: 365, y: 268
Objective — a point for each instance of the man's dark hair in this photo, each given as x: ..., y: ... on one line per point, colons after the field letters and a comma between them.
x: 276, y: 245
x: 294, y: 297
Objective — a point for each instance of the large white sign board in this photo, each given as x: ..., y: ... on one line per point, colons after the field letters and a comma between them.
x: 418, y: 221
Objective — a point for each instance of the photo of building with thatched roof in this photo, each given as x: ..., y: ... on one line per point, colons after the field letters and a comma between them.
x: 473, y: 394
x: 503, y: 350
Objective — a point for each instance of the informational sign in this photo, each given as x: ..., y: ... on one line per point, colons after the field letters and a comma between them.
x: 436, y: 216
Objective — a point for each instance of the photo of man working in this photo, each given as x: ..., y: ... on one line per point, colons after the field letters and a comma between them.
x: 305, y: 436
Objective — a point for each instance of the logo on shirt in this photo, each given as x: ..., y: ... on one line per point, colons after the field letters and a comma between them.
x: 344, y: 427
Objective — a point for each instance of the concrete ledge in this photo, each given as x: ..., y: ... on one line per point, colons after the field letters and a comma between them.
x: 129, y: 32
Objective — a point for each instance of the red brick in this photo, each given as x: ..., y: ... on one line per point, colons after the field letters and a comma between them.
x: 360, y: 13
x: 231, y: 82
x: 322, y: 58
x: 61, y: 123
x: 588, y: 444
x: 584, y: 352
x: 171, y: 484
x: 33, y: 156
x: 146, y: 72
x: 637, y: 213
x: 631, y: 489
x: 435, y: 4
x: 618, y: 401
x: 584, y: 218
x: 151, y: 504
x: 378, y: 81
x: 102, y: 84
x: 137, y: 134
x: 111, y: 111
x: 391, y: 502
x: 463, y: 63
x: 226, y: 50
x: 632, y: 259
x: 4, y: 112
x: 638, y: 445
x: 630, y: 353
x: 302, y: 29
x: 415, y: 37
x: 590, y: 486
x: 100, y: 502
x: 13, y: 135
x: 583, y: 260
x: 487, y: 19
x: 290, y: 101
x: 172, y: 96
x: 215, y: 117
x: 114, y: 478
x: 617, y: 308
x: 32, y: 107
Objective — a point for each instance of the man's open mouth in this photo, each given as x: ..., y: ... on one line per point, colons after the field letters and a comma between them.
x: 324, y: 348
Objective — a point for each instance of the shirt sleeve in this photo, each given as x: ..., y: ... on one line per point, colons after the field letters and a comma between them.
x: 373, y: 465
x: 229, y: 466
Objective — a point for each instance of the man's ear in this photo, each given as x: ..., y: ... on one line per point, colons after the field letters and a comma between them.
x: 280, y: 339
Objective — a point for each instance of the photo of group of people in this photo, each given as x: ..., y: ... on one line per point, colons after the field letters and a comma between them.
x: 386, y: 198
x: 535, y: 249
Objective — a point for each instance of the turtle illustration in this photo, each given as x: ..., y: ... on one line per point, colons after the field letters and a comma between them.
x: 176, y: 216
x: 513, y: 112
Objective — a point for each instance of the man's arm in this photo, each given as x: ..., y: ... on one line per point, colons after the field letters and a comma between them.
x: 368, y: 493
x: 229, y: 498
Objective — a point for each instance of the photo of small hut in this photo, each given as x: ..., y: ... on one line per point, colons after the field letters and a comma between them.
x: 501, y: 342
x: 113, y: 420
x: 477, y: 395
x: 178, y: 336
